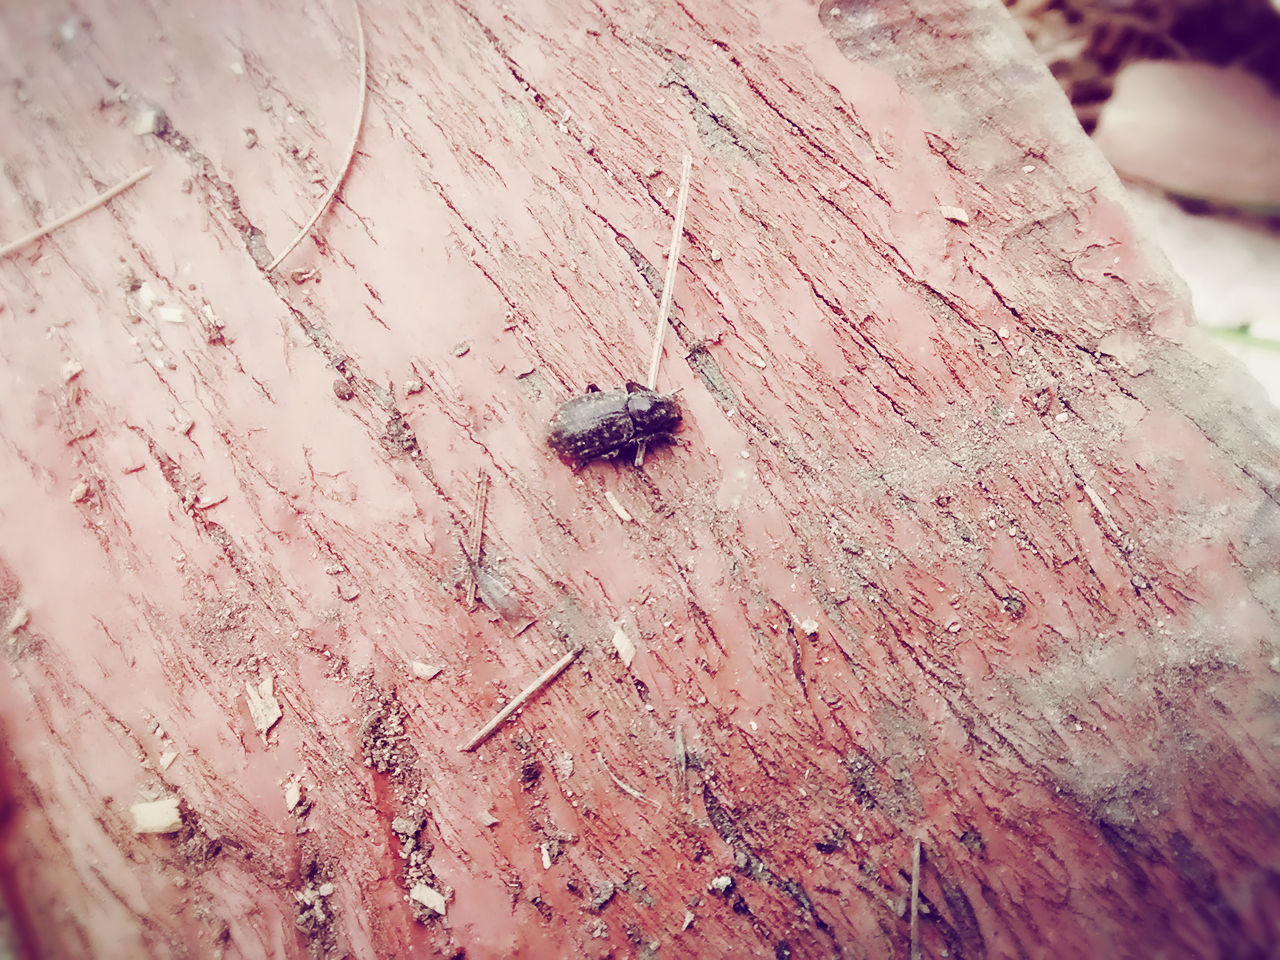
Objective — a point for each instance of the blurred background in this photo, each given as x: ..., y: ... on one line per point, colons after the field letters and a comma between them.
x: 1183, y: 97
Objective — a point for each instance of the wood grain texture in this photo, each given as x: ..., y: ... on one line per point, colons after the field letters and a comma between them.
x: 968, y: 538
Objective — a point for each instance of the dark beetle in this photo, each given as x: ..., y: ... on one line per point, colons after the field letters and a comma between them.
x: 600, y: 424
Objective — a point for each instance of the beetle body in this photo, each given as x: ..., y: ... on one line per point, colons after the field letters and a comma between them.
x: 600, y: 424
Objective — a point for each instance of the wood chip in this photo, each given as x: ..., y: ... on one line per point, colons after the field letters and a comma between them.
x: 955, y: 214
x: 429, y: 897
x: 148, y: 120
x: 263, y: 705
x: 156, y: 816
x: 426, y: 671
x: 17, y: 620
x: 171, y: 314
x: 618, y: 508
x: 624, y: 645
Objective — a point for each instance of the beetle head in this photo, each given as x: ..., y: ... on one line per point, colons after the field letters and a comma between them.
x: 652, y: 413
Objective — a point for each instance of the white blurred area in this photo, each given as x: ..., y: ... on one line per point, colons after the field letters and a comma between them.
x: 1210, y: 134
x: 1233, y: 271
x: 1183, y: 99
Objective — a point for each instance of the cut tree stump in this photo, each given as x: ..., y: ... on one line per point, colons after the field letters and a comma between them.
x: 967, y: 538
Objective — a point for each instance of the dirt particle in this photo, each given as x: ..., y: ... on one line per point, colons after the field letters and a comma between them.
x: 543, y: 908
x: 315, y: 914
x: 832, y: 842
x: 972, y: 840
x: 398, y: 437
x: 413, y: 386
x: 601, y: 896
x: 530, y: 771
x: 384, y: 741
x: 196, y: 847
x: 342, y: 389
x: 1014, y: 606
x: 427, y: 895
x: 80, y: 491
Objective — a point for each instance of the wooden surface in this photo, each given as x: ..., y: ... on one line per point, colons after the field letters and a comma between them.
x: 966, y: 541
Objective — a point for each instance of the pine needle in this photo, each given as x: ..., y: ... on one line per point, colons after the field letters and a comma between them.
x: 75, y: 214
x: 668, y: 286
x: 351, y: 147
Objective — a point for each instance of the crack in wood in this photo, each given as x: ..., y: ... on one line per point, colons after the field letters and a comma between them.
x: 723, y: 821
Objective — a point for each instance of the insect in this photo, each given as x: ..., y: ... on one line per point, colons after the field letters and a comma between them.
x: 600, y: 424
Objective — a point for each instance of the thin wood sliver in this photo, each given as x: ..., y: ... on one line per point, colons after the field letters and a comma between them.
x: 519, y: 700
x: 75, y: 214
x: 668, y: 286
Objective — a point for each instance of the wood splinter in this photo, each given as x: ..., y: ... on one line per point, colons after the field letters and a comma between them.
x: 915, y: 901
x: 477, y: 538
x: 519, y: 700
x: 625, y: 787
